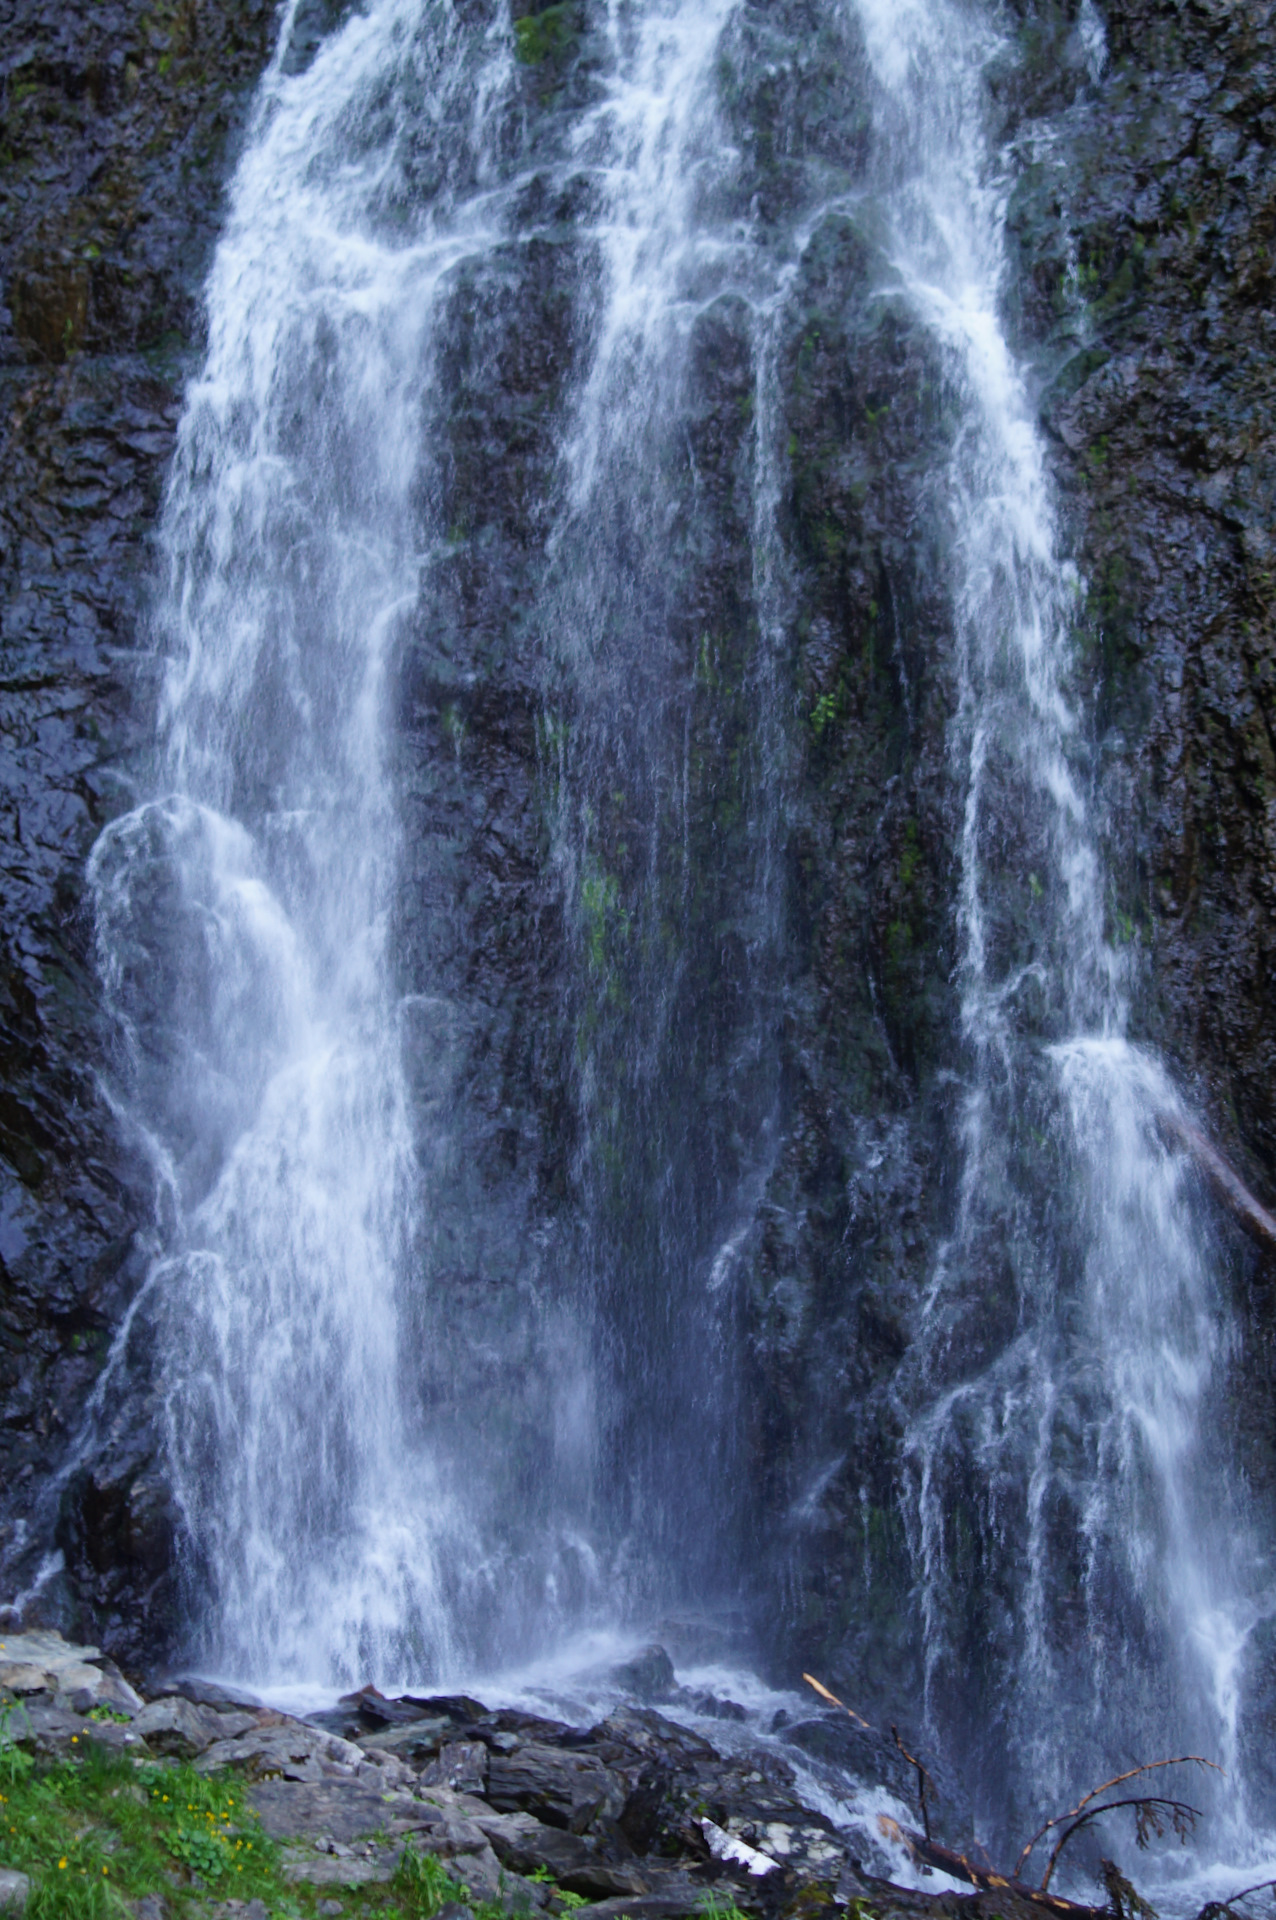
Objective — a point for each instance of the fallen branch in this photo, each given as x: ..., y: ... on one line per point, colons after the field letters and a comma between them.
x: 1221, y: 1909
x: 959, y: 1866
x: 1222, y: 1178
x: 833, y: 1701
x: 1117, y: 1780
x: 924, y: 1778
x: 1151, y: 1812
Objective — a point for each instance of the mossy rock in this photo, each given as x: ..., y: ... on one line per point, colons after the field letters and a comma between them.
x: 547, y: 37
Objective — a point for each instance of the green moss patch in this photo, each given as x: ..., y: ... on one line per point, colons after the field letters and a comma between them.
x: 547, y: 35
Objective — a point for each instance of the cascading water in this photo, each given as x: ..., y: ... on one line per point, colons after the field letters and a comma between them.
x: 479, y: 619
x: 270, y: 1070
x: 328, y: 1396
x: 1076, y: 1471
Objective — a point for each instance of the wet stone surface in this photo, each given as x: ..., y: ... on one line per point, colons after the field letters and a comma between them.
x: 117, y: 124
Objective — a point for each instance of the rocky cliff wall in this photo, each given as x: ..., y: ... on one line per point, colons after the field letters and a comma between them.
x: 116, y: 127
x: 1141, y: 223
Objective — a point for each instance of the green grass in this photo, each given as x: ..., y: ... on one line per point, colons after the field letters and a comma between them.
x: 97, y: 1832
x: 714, y: 1908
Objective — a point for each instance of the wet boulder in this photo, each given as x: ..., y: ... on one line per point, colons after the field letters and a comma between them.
x: 568, y: 1790
x: 286, y: 1749
x: 183, y: 1730
x: 647, y: 1675
x: 14, y: 1889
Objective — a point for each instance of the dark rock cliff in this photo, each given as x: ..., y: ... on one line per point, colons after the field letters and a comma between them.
x: 1142, y: 224
x: 1140, y: 229
x: 116, y: 125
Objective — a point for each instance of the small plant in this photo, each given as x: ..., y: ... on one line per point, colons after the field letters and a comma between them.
x: 714, y: 1908
x: 1123, y: 1900
x: 543, y: 36
x: 825, y: 711
x: 423, y: 1883
x: 207, y: 1854
x: 568, y: 1902
x: 14, y: 1763
x: 108, y: 1716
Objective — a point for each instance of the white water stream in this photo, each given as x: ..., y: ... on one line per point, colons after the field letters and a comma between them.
x: 245, y: 914
x: 1082, y: 1452
x: 278, y: 1091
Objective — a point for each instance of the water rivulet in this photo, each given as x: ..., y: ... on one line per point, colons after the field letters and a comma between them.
x: 1076, y: 1465
x: 616, y: 970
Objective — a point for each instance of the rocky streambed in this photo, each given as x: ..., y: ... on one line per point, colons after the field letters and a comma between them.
x: 634, y: 1815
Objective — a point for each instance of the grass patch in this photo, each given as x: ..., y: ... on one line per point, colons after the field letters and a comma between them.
x: 100, y: 1831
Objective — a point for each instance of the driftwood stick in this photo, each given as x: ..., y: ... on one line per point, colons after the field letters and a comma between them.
x: 833, y: 1701
x: 1226, y: 1909
x: 960, y: 1866
x: 1259, y: 1886
x: 923, y: 1779
x: 1222, y: 1178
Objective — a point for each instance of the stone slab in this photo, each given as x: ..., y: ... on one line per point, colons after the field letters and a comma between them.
x: 14, y: 1890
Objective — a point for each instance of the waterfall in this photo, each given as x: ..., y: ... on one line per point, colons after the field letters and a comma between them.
x: 243, y: 914
x: 447, y: 949
x: 372, y: 1475
x: 1073, y: 1476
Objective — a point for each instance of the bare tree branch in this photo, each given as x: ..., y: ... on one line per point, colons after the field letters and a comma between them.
x: 923, y: 1780
x: 1225, y: 1909
x: 833, y: 1700
x: 1150, y: 1808
x: 1118, y: 1780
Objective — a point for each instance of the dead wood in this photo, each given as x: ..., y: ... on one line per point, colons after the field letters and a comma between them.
x: 1222, y: 1178
x: 1079, y: 1815
x: 833, y: 1701
x: 1153, y: 1813
x: 959, y: 1866
x: 1226, y: 1909
x: 924, y: 1778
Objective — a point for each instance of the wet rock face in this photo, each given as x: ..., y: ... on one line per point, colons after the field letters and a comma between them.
x: 1163, y: 194
x: 1141, y: 291
x: 1162, y: 188
x: 116, y: 124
